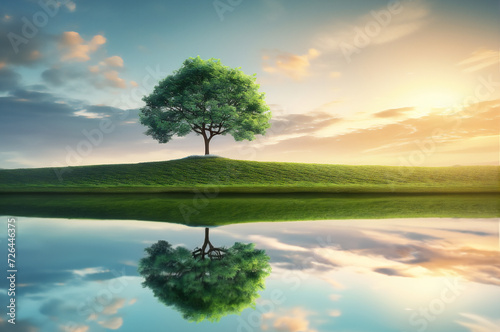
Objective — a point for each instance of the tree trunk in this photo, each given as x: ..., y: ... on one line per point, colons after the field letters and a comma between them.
x: 205, y: 243
x: 207, y: 239
x: 207, y: 143
x: 211, y: 251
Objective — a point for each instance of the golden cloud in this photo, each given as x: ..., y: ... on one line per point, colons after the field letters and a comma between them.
x: 113, y: 307
x: 94, y: 69
x: 440, y: 133
x: 396, y: 112
x: 476, y: 323
x: 480, y: 59
x: 81, y: 328
x: 294, y: 320
x: 76, y: 49
x: 113, y: 323
x: 288, y: 64
x: 114, y: 80
x: 418, y: 250
x: 114, y: 61
x: 335, y: 74
x: 111, y: 77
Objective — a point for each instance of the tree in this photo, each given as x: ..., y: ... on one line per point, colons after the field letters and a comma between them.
x: 207, y: 286
x: 207, y: 98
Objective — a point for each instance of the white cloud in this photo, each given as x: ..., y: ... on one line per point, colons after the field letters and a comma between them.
x: 89, y: 270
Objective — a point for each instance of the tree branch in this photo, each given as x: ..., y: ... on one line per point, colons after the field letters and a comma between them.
x: 196, y: 131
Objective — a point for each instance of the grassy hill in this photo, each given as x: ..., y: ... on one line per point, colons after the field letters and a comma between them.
x: 229, y: 175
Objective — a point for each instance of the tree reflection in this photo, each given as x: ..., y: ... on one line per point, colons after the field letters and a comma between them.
x: 207, y: 283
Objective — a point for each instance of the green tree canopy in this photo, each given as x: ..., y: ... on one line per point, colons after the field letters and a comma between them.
x: 205, y: 288
x: 207, y: 98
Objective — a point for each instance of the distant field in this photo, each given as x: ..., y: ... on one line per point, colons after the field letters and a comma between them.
x: 227, y: 175
x: 208, y: 208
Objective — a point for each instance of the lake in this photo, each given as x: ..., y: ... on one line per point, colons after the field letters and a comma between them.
x: 204, y: 207
x: 423, y: 274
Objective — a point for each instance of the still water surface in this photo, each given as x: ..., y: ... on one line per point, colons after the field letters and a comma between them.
x: 350, y: 275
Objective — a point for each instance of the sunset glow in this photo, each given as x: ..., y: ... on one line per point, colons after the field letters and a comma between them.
x: 347, y: 84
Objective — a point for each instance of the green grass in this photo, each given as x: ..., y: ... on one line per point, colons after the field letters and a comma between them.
x: 199, y: 209
x: 236, y: 176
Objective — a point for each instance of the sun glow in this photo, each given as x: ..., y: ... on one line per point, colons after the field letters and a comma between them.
x: 425, y: 102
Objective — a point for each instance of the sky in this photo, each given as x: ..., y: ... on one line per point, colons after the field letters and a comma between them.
x: 355, y: 275
x: 412, y: 83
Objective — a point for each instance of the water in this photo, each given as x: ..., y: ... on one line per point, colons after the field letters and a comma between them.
x: 351, y: 275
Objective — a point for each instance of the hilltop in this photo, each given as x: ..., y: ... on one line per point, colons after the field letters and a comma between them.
x: 229, y: 175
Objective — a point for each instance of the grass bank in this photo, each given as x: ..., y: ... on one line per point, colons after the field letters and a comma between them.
x: 237, y: 176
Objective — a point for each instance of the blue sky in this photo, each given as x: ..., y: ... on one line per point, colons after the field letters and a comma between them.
x: 359, y: 82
